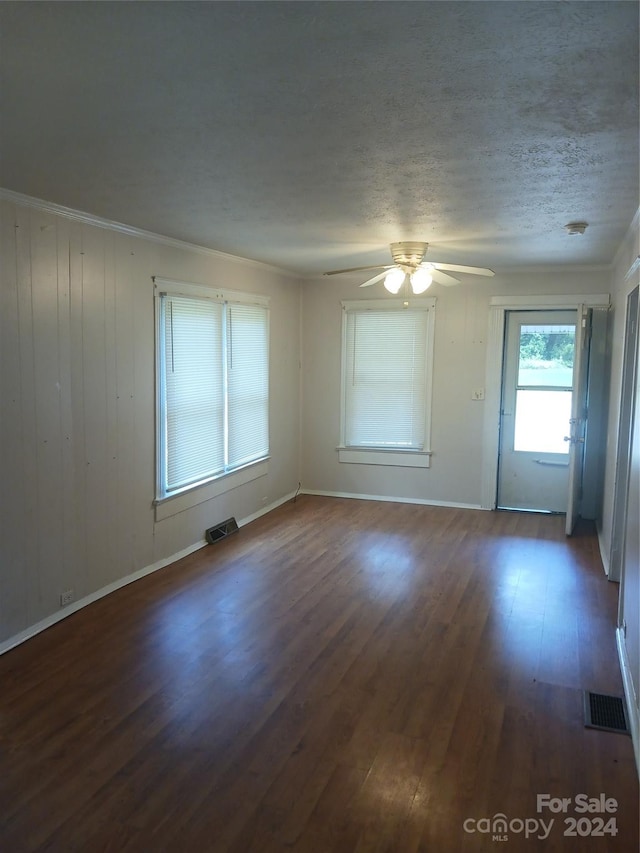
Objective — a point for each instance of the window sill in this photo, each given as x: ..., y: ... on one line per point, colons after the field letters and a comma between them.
x: 194, y: 495
x: 378, y: 456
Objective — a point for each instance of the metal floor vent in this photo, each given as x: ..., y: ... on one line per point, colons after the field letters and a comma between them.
x: 220, y: 531
x: 605, y: 712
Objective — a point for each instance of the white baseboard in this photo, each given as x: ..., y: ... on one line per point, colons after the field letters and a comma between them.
x: 389, y: 499
x: 631, y: 700
x: 265, y: 509
x: 48, y: 621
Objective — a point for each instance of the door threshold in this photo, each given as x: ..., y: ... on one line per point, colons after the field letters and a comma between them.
x: 524, y: 509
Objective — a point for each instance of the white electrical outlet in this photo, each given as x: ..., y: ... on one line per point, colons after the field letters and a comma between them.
x: 66, y: 597
x: 477, y: 394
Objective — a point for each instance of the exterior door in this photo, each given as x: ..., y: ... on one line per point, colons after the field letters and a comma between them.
x: 538, y: 406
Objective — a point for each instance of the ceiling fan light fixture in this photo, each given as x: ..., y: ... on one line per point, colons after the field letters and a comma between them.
x: 408, y: 261
x: 393, y: 280
x: 420, y: 280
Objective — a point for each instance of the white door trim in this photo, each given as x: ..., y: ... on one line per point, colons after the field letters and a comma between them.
x: 625, y: 423
x: 498, y: 307
x: 537, y: 303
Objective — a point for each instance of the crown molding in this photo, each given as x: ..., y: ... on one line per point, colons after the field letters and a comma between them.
x: 132, y: 231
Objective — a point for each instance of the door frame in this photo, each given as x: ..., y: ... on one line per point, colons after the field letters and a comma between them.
x: 625, y: 423
x: 498, y: 307
x: 532, y: 480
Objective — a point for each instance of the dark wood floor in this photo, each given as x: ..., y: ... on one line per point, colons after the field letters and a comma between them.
x: 338, y: 676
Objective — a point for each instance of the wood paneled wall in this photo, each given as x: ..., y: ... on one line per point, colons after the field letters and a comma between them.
x: 77, y: 418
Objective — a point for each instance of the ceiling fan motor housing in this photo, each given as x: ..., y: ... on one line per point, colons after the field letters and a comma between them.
x: 408, y: 254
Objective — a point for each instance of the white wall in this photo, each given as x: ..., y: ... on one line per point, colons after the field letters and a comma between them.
x: 629, y: 613
x: 461, y: 327
x: 621, y: 287
x: 77, y: 425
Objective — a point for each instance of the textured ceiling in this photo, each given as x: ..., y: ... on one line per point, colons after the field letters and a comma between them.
x: 310, y: 135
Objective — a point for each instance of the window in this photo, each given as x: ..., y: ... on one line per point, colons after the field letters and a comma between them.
x: 386, y: 378
x: 544, y: 388
x: 213, y: 386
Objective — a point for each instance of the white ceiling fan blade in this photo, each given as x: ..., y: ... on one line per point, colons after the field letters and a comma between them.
x: 443, y: 277
x: 460, y: 268
x: 358, y: 269
x: 375, y: 279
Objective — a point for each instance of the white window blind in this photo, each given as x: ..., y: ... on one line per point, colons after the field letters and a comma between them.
x: 385, y: 393
x: 194, y: 390
x: 213, y: 391
x: 248, y: 384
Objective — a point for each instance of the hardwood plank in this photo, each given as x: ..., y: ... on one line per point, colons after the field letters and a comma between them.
x: 339, y: 676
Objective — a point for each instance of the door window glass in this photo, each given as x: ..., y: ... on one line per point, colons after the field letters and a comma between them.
x: 542, y: 421
x: 544, y: 388
x: 546, y: 356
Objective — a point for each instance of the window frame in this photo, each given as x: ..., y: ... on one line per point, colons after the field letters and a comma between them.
x: 169, y: 502
x: 399, y: 457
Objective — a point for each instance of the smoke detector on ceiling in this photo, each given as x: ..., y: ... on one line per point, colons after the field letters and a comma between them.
x: 576, y: 227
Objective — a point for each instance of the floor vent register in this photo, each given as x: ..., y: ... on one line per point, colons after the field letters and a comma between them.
x: 605, y: 712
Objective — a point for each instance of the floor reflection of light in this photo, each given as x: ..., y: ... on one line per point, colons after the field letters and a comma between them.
x: 530, y: 580
x: 387, y: 564
x: 392, y: 786
x: 513, y: 554
x: 181, y: 643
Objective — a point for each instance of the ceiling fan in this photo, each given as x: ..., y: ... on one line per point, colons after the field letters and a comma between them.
x: 408, y: 260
